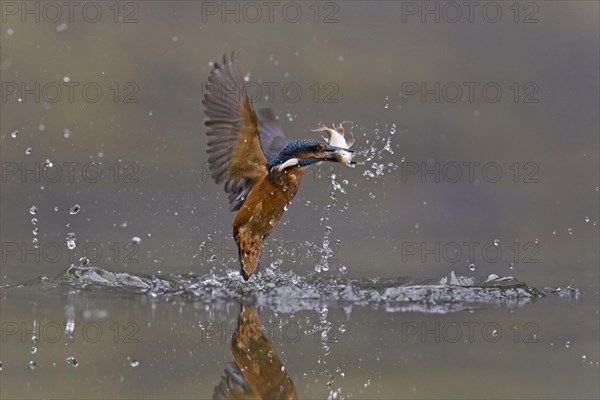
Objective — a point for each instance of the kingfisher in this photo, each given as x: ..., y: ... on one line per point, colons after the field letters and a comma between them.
x: 248, y: 151
x: 257, y: 371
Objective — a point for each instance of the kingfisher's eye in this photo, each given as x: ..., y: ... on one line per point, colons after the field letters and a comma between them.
x: 316, y: 148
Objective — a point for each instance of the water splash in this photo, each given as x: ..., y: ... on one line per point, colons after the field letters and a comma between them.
x: 72, y: 361
x: 71, y: 240
x: 75, y: 209
x: 375, y: 150
x: 289, y: 293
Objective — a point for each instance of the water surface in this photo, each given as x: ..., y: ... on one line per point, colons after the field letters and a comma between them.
x: 131, y: 335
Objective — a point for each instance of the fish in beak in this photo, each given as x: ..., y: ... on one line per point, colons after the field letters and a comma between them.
x: 339, y: 154
x: 336, y: 139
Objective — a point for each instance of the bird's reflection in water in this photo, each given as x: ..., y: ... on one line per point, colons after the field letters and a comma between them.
x: 257, y: 372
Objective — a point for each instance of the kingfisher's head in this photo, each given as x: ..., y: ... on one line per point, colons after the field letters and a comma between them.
x: 303, y: 153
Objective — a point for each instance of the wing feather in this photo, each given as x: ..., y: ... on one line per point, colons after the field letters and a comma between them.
x: 240, y: 141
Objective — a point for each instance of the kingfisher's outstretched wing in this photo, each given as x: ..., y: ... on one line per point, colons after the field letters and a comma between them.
x: 240, y: 140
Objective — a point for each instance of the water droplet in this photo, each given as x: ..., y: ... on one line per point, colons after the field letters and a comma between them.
x: 66, y: 133
x: 31, y: 365
x: 35, y: 230
x: 324, y: 313
x: 42, y: 127
x: 34, y: 221
x: 69, y: 329
x: 568, y: 344
x: 84, y: 261
x: 55, y: 208
x: 70, y: 241
x: 36, y: 243
x: 472, y: 267
x: 583, y: 357
x: 35, y: 339
x: 33, y: 350
x: 33, y: 210
x: 136, y: 239
x: 570, y: 230
x: 48, y: 163
x: 28, y: 150
x: 133, y: 363
x: 75, y: 209
x: 14, y: 134
x: 496, y: 242
x: 495, y: 333
x: 72, y: 361
x: 511, y: 265
x: 586, y: 219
